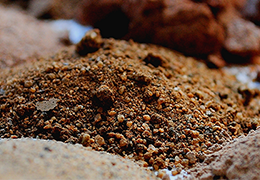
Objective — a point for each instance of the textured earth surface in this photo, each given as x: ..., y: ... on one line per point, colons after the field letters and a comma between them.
x: 143, y: 102
x: 140, y: 101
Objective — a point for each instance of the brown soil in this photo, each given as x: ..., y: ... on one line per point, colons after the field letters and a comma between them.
x: 239, y: 159
x: 140, y: 101
x: 41, y: 159
x: 23, y: 38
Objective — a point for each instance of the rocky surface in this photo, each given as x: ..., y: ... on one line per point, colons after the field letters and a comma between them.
x: 176, y: 24
x: 44, y: 159
x: 238, y: 159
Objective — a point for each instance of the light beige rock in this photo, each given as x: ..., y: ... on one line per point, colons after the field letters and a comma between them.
x: 45, y: 159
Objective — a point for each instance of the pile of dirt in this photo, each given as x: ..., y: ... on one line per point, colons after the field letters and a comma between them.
x: 239, y: 159
x: 140, y: 101
x: 24, y: 38
x: 41, y: 159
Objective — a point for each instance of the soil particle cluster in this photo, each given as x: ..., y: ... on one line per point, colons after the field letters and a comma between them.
x: 139, y: 101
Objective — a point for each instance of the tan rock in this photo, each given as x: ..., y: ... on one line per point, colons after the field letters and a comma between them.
x: 239, y: 159
x: 42, y: 159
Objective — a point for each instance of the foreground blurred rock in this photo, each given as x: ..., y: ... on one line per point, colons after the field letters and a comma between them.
x: 42, y: 159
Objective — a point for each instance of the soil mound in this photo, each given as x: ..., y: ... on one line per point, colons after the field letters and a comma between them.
x: 140, y: 101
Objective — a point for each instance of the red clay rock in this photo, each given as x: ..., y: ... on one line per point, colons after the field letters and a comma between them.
x: 183, y: 25
x: 242, y: 36
x: 190, y: 28
x: 199, y: 27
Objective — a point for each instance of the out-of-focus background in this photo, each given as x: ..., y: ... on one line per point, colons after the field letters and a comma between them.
x: 219, y: 31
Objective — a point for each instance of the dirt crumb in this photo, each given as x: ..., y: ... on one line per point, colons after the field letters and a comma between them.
x: 91, y: 42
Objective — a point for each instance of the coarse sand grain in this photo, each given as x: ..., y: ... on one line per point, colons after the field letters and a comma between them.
x: 28, y: 158
x: 140, y: 101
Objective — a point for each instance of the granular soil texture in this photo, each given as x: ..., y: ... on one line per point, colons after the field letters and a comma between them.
x: 140, y: 101
x: 45, y: 159
x: 238, y: 159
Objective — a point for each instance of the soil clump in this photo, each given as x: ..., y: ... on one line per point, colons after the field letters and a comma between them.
x: 140, y: 101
